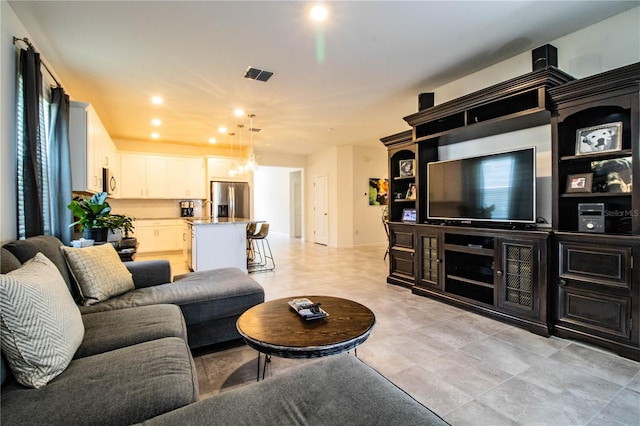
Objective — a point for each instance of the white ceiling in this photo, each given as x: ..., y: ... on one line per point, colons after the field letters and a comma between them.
x: 378, y: 56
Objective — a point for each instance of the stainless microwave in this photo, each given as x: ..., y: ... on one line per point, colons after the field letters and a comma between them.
x: 109, y: 184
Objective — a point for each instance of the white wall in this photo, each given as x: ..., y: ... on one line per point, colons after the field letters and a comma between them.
x: 344, y: 196
x: 367, y: 220
x: 609, y: 44
x: 352, y: 221
x: 271, y: 197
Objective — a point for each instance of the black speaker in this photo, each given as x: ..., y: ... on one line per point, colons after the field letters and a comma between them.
x: 425, y: 100
x: 544, y: 56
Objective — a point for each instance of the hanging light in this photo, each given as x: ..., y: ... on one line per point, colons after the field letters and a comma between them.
x: 240, y: 166
x: 232, y: 168
x: 251, y: 163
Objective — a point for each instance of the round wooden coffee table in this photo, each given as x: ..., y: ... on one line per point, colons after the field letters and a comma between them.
x: 274, y: 328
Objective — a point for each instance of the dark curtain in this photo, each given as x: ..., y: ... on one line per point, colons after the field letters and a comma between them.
x: 59, y: 167
x: 30, y: 147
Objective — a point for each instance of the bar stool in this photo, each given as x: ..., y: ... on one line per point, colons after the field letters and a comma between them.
x: 263, y: 256
x: 251, y: 230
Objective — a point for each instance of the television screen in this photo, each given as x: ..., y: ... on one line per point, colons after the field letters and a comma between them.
x: 490, y: 188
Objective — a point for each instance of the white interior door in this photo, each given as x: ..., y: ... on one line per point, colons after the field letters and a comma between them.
x: 295, y: 202
x: 321, y: 210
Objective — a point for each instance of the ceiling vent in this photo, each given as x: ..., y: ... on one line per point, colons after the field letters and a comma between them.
x: 257, y: 74
x: 253, y: 129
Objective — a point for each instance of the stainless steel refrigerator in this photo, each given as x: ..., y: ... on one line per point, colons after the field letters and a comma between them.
x: 230, y: 199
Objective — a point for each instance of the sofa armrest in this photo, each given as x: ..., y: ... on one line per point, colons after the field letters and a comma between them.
x: 147, y: 273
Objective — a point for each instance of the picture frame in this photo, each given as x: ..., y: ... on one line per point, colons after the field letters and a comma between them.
x: 614, y: 175
x: 579, y: 182
x: 407, y: 168
x: 411, y: 192
x: 597, y: 139
x: 378, y: 191
x: 409, y: 215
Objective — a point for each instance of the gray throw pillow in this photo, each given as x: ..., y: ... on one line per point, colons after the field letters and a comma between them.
x: 40, y: 325
x: 99, y: 272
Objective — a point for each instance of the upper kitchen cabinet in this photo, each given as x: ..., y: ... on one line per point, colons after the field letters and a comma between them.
x: 189, y: 181
x: 92, y: 150
x: 159, y: 176
x: 144, y: 176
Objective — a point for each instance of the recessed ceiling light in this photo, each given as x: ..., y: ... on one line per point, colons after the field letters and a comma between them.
x: 238, y: 112
x: 222, y: 129
x: 157, y: 100
x: 318, y: 12
x: 156, y: 122
x: 155, y: 135
x: 212, y: 140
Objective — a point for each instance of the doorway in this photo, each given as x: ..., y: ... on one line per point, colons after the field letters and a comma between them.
x: 321, y: 210
x: 295, y: 191
x: 277, y: 195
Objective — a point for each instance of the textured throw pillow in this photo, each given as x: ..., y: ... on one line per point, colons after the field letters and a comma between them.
x: 98, y: 271
x: 40, y: 324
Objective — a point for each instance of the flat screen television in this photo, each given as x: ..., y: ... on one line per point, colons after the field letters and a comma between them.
x: 489, y: 189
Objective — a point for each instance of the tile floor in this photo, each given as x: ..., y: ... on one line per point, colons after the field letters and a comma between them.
x: 469, y: 369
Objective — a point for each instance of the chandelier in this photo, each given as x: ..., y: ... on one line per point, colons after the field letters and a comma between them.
x: 250, y: 164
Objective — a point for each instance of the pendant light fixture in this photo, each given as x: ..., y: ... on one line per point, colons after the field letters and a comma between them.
x: 251, y: 163
x: 232, y: 168
x: 240, y: 167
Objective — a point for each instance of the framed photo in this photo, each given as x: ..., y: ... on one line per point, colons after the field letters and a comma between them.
x: 407, y: 168
x: 602, y: 138
x: 411, y: 192
x: 581, y: 182
x: 378, y: 191
x: 409, y: 215
x: 612, y: 175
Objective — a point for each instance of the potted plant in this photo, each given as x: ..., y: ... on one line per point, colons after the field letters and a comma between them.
x: 124, y: 225
x: 93, y: 216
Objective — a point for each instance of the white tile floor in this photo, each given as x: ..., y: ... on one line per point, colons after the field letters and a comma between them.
x: 469, y: 369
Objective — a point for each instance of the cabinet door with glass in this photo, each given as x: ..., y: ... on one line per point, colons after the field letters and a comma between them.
x: 520, y: 277
x: 429, y: 252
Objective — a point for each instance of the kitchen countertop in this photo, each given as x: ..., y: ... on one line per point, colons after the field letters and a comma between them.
x: 217, y: 220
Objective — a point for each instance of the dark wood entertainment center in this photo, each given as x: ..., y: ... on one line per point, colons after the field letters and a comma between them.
x: 566, y: 280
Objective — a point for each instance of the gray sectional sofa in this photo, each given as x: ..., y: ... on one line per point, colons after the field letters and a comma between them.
x: 134, y: 364
x: 210, y: 301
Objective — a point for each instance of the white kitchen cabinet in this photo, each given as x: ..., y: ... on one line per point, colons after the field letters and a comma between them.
x: 144, y: 176
x: 159, y: 235
x: 190, y: 180
x: 133, y: 176
x: 88, y: 141
x: 158, y: 175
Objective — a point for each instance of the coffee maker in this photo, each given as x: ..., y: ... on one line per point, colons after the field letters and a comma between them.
x: 186, y: 208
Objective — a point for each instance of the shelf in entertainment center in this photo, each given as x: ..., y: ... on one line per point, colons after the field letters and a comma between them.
x: 470, y: 250
x: 515, y: 104
x: 597, y: 156
x: 404, y: 178
x: 404, y: 200
x: 595, y: 194
x: 469, y: 281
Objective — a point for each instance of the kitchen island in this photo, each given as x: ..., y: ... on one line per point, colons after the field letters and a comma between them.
x: 217, y: 243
